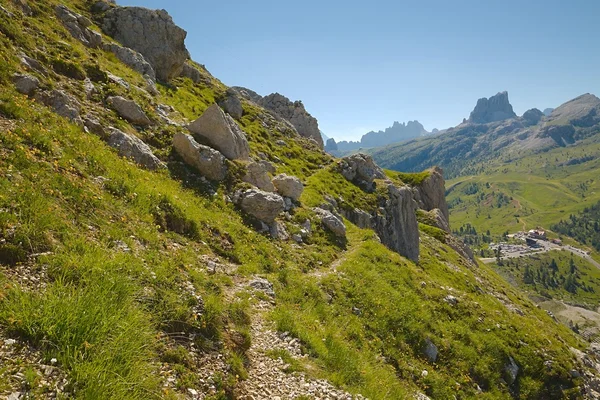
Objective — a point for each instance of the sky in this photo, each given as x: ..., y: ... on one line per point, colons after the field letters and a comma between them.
x: 361, y: 65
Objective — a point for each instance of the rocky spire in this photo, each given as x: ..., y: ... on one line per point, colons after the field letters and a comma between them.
x: 496, y: 108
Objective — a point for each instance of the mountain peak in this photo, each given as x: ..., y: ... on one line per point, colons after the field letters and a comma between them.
x: 496, y: 108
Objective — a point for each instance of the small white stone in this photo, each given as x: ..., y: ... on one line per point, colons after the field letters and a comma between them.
x: 10, y: 342
x: 424, y: 373
x: 53, y: 361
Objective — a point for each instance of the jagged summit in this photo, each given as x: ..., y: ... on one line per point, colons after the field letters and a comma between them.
x: 496, y: 108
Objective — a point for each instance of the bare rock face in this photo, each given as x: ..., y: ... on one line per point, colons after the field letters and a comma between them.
x: 77, y: 25
x: 361, y: 170
x: 288, y: 186
x: 132, y: 147
x: 431, y: 193
x: 129, y: 110
x: 132, y: 58
x: 358, y: 217
x: 220, y: 131
x: 496, y: 108
x: 209, y: 162
x: 26, y: 84
x: 152, y: 33
x: 331, y: 222
x: 232, y: 104
x: 533, y: 116
x: 397, y: 225
x: 247, y: 94
x: 295, y: 113
x: 258, y: 175
x: 264, y: 206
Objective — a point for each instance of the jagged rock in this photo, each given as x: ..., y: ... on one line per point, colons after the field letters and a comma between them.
x: 118, y: 80
x: 257, y: 175
x: 331, y: 145
x: 95, y: 127
x: 358, y: 217
x: 278, y: 231
x: 26, y: 84
x: 77, y: 25
x: 129, y: 110
x: 439, y: 220
x: 152, y: 33
x: 102, y: 6
x: 90, y: 89
x: 430, y: 351
x: 232, y: 104
x: 62, y: 104
x: 221, y: 132
x: 512, y: 370
x: 431, y: 193
x: 397, y: 225
x: 32, y: 64
x: 496, y: 108
x: 24, y: 6
x: 361, y: 170
x: 288, y: 186
x: 331, y: 222
x: 131, y: 58
x: 191, y: 72
x: 132, y: 147
x: 264, y: 206
x: 209, y: 162
x: 533, y: 116
x: 263, y: 285
x: 270, y: 168
x: 294, y: 112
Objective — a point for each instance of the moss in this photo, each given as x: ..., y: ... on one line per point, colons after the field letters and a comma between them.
x: 68, y: 69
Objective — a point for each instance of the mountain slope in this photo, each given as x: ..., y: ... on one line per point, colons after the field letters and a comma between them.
x: 137, y: 277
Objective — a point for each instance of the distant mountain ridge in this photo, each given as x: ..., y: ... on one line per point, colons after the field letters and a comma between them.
x: 398, y: 132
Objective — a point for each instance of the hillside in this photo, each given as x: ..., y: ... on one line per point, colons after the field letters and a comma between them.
x: 165, y: 236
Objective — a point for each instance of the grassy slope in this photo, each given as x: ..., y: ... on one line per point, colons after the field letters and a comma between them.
x: 106, y: 314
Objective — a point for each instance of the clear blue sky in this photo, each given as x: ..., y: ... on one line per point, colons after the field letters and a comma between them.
x: 360, y: 65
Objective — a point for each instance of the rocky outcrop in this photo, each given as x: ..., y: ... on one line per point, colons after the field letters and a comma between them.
x: 78, y: 26
x: 129, y: 146
x: 263, y: 285
x: 288, y: 186
x: 26, y: 84
x: 220, y: 131
x: 257, y: 174
x: 129, y: 110
x: 132, y: 58
x: 209, y: 162
x: 397, y: 225
x: 232, y: 104
x: 361, y: 170
x: 533, y: 116
x: 153, y: 34
x: 191, y: 72
x: 358, y: 217
x: 62, y: 104
x: 331, y: 145
x: 264, y: 206
x: 247, y: 94
x: 331, y: 222
x: 431, y: 193
x: 295, y: 113
x: 496, y: 108
x: 511, y: 370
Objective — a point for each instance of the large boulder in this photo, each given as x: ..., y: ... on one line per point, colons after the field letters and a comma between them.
x: 264, y: 206
x: 129, y: 110
x: 77, y: 25
x: 131, y: 58
x: 152, y: 33
x: 129, y: 146
x: 191, y: 72
x: 62, y: 104
x: 26, y: 84
x: 397, y: 225
x: 209, y: 162
x: 331, y: 222
x: 496, y: 108
x: 258, y: 175
x: 288, y: 186
x: 295, y: 113
x: 358, y: 217
x: 220, y: 131
x: 431, y: 193
x: 232, y: 104
x: 361, y: 170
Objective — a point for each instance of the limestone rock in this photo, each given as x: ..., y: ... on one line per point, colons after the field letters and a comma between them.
x: 102, y: 6
x: 288, y: 186
x: 24, y: 6
x: 152, y: 33
x: 361, y: 170
x: 263, y: 285
x: 533, y: 116
x: 496, y: 108
x: 26, y: 84
x: 129, y: 110
x: 220, y: 131
x: 95, y: 127
x: 132, y: 58
x: 62, y: 104
x: 209, y: 162
x: 431, y: 193
x: 32, y: 64
x: 358, y: 217
x: 232, y: 104
x: 430, y: 351
x: 191, y: 72
x: 511, y: 370
x: 397, y: 225
x: 295, y: 113
x: 257, y: 175
x: 132, y: 147
x: 331, y: 146
x: 247, y: 94
x: 264, y: 206
x: 331, y: 222
x: 77, y: 25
